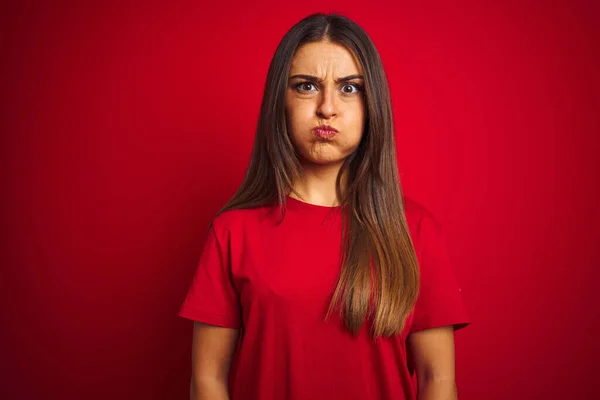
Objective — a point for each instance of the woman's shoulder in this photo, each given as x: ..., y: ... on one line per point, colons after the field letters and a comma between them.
x: 415, y: 210
x: 241, y: 218
x: 419, y: 217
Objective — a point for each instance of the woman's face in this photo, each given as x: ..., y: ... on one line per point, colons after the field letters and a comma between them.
x: 325, y: 87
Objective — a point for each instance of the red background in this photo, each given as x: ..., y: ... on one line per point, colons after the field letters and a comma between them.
x: 125, y: 127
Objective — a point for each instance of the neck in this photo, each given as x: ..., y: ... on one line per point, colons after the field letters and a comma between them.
x: 316, y: 185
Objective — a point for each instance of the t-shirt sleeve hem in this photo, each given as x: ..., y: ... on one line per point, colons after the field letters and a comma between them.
x: 209, y: 318
x: 455, y: 323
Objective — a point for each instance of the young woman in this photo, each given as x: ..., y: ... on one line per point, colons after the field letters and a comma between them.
x: 319, y: 280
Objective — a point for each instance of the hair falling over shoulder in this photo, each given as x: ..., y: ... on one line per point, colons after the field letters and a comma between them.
x: 379, y: 279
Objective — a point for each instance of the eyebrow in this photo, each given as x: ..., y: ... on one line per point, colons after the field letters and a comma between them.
x: 319, y: 80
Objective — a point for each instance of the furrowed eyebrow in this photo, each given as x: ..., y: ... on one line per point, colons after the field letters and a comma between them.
x: 314, y: 79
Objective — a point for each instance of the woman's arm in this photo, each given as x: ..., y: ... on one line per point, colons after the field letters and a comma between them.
x: 212, y: 351
x: 432, y: 353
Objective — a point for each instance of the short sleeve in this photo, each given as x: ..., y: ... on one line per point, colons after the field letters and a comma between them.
x: 440, y: 301
x: 212, y: 297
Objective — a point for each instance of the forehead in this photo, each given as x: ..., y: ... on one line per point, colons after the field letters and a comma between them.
x: 325, y: 58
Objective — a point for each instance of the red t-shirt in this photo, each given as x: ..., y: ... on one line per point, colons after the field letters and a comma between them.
x: 275, y: 282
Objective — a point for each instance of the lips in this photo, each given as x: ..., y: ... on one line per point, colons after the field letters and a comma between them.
x: 325, y: 131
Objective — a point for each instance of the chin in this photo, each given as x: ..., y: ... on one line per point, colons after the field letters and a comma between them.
x: 325, y: 161
x: 328, y: 157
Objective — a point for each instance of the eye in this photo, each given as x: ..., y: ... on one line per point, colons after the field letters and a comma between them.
x: 304, y: 86
x: 352, y: 86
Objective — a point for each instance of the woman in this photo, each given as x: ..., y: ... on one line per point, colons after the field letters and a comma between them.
x: 319, y: 280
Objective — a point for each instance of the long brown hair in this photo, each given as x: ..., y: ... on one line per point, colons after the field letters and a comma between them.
x: 375, y: 228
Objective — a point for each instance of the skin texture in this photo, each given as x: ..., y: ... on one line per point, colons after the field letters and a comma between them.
x: 310, y: 104
x: 212, y: 352
x: 432, y: 353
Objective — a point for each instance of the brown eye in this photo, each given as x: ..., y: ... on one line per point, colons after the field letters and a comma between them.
x: 304, y: 86
x: 351, y: 88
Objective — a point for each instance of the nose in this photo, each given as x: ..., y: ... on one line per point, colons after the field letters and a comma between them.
x: 327, y: 107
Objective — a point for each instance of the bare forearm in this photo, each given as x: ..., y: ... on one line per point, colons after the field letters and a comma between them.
x: 209, y: 389
x: 430, y: 389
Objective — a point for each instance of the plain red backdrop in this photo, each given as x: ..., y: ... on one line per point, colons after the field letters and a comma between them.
x: 125, y: 127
